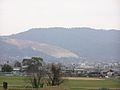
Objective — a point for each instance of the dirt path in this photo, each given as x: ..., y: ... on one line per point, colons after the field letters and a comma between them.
x: 82, y: 78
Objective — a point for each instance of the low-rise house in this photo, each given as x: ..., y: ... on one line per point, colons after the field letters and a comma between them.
x: 16, y: 71
x: 104, y: 73
x: 110, y: 74
x: 24, y: 68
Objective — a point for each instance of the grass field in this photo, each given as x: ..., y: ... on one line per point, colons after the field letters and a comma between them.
x: 69, y: 83
x: 91, y: 84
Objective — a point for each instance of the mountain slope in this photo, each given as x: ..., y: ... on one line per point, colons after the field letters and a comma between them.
x: 88, y: 43
x: 51, y: 50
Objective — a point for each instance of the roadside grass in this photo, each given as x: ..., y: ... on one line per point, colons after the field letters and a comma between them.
x: 69, y: 84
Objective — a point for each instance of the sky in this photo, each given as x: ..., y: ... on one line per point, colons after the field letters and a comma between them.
x: 20, y: 15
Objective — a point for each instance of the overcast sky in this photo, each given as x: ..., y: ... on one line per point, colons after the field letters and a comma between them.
x: 21, y: 15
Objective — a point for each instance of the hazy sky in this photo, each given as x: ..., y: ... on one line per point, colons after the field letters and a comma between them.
x: 20, y: 15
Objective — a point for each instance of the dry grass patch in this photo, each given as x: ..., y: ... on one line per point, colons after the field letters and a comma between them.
x: 82, y: 78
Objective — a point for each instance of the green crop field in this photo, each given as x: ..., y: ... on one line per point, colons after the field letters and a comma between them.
x: 91, y: 84
x: 69, y: 84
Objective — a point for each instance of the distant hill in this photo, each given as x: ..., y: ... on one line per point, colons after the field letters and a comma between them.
x: 66, y: 43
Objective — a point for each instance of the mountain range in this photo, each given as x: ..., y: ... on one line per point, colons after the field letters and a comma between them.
x: 62, y: 44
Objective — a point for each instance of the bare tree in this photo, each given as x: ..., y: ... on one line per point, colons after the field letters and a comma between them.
x: 54, y: 74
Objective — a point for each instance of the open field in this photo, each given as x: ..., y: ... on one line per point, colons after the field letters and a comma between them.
x: 91, y: 84
x: 69, y: 83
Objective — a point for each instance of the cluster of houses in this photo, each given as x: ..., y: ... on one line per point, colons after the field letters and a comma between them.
x: 72, y: 71
x: 93, y: 70
x: 83, y: 72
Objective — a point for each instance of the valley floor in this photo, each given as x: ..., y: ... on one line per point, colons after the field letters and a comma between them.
x: 70, y: 83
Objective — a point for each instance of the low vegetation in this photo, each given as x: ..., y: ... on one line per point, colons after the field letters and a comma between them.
x: 6, y: 68
x: 68, y: 84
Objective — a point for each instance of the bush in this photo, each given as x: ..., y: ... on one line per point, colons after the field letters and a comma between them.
x: 7, y: 68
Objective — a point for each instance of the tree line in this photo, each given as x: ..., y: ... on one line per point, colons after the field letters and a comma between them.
x: 38, y: 73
